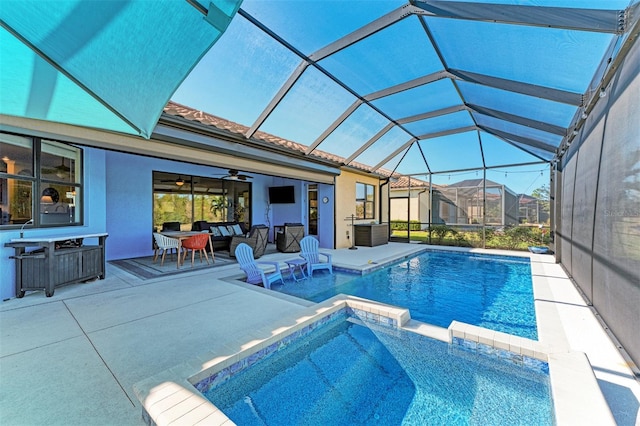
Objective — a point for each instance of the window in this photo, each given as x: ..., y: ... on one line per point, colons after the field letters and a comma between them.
x: 187, y: 199
x: 39, y: 182
x: 365, y: 197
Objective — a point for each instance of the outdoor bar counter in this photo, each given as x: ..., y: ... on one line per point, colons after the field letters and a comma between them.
x: 57, y: 260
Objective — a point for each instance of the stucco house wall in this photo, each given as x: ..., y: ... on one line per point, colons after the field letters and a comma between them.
x: 346, y: 201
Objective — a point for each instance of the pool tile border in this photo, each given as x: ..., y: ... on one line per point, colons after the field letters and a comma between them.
x: 167, y: 397
x: 173, y: 396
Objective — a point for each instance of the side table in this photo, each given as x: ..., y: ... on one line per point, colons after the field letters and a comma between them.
x: 297, y: 264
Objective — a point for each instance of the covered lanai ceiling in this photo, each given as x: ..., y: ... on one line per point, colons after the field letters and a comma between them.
x: 415, y: 87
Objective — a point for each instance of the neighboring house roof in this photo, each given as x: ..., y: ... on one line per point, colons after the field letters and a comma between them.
x: 525, y: 199
x: 402, y: 182
x: 238, y: 130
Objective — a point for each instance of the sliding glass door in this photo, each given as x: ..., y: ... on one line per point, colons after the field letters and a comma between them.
x: 186, y: 199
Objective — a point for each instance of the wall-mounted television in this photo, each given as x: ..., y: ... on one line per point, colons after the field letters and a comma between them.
x: 282, y: 195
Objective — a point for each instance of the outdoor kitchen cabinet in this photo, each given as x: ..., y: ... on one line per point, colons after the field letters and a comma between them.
x: 56, y: 261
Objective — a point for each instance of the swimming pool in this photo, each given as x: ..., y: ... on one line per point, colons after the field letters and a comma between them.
x: 346, y: 371
x: 493, y: 292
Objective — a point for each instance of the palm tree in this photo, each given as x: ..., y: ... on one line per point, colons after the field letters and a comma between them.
x: 219, y: 206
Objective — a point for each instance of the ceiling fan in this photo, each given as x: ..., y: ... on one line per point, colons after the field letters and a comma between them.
x: 236, y: 175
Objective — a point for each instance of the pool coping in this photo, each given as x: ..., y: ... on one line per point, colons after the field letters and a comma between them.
x: 170, y: 397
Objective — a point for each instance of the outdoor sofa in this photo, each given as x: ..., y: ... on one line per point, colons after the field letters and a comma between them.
x: 221, y: 232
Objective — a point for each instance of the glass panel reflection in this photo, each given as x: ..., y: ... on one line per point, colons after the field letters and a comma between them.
x: 16, y: 155
x: 15, y: 201
x: 59, y: 162
x: 58, y: 204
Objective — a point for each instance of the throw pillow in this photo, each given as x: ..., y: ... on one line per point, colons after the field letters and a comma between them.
x: 237, y: 230
x: 215, y: 231
x: 224, y: 231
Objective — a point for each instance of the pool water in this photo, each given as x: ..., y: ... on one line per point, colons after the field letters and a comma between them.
x: 494, y: 292
x: 346, y: 373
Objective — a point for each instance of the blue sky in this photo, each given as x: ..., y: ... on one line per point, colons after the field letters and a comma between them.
x: 245, y: 69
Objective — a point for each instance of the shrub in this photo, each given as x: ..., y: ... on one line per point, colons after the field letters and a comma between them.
x: 515, y: 236
x: 401, y: 225
x: 439, y: 232
x: 460, y: 238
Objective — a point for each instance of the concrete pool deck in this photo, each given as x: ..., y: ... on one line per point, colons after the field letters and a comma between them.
x: 74, y: 358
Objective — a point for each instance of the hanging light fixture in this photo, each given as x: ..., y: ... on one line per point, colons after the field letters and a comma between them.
x: 603, y: 93
x: 62, y: 170
x: 179, y: 181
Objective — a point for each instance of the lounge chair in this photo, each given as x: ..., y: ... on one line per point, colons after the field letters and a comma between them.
x: 255, y: 274
x: 288, y: 241
x: 309, y: 246
x: 256, y: 238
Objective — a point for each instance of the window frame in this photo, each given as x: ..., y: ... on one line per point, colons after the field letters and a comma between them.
x: 41, y: 182
x: 368, y: 206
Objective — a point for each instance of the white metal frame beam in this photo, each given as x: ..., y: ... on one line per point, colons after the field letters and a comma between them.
x: 447, y: 132
x: 594, y: 20
x: 411, y: 84
x: 431, y: 114
x: 401, y: 148
x: 370, y: 142
x: 297, y: 73
x: 520, y: 139
x: 562, y: 96
x: 363, y: 32
x: 534, y: 124
x: 354, y: 106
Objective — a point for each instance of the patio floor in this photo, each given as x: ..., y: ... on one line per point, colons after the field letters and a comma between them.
x: 73, y: 358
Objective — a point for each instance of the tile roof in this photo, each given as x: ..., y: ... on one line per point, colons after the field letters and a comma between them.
x: 402, y: 182
x: 188, y: 113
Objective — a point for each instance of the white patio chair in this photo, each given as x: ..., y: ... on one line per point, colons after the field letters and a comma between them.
x: 164, y: 243
x: 255, y: 274
x: 309, y: 251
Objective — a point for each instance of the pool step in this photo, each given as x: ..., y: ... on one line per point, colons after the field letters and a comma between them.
x: 474, y: 336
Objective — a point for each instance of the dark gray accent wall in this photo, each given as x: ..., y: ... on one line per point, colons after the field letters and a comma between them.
x: 597, y: 213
